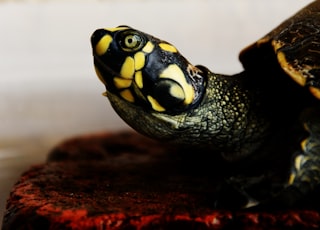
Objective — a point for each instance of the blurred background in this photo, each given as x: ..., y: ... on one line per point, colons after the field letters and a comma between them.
x: 48, y: 89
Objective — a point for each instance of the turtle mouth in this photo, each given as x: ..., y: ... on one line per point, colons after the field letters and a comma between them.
x: 105, y: 73
x: 116, y: 84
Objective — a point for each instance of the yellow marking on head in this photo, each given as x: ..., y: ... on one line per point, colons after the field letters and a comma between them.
x: 138, y: 79
x: 168, y: 47
x: 315, y: 92
x: 148, y: 48
x: 103, y: 45
x: 155, y: 105
x: 139, y: 60
x: 175, y: 73
x: 127, y: 69
x: 121, y: 83
x: 177, y: 91
x: 99, y: 75
x: 127, y: 95
x: 117, y: 28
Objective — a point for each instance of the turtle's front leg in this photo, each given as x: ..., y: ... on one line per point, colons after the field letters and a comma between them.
x: 304, y: 177
x: 305, y: 169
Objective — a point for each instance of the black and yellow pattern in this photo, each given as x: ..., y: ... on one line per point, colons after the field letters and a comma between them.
x: 142, y: 69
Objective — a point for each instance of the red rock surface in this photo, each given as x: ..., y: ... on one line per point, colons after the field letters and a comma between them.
x: 126, y: 181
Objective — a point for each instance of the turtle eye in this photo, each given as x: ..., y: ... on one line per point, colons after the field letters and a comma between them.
x: 131, y: 41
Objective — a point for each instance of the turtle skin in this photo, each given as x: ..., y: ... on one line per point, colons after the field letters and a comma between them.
x: 264, y: 122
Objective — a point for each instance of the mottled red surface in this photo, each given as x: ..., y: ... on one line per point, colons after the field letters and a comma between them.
x: 126, y: 181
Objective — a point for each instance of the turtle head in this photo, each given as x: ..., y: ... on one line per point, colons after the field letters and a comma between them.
x: 145, y: 71
x: 156, y: 91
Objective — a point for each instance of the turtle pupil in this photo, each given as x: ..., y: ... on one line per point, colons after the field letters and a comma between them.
x: 129, y: 42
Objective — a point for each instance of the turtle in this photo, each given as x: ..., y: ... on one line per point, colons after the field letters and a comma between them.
x: 266, y: 116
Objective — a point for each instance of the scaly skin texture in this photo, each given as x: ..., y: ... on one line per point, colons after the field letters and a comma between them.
x: 229, y: 119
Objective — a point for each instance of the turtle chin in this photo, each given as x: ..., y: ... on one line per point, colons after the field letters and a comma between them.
x: 143, y: 120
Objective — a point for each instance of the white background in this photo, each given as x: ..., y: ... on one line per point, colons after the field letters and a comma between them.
x: 48, y: 89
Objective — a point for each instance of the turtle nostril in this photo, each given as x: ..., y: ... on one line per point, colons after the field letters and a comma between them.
x: 97, y: 35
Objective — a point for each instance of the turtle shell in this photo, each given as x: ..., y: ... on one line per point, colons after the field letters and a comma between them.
x: 296, y: 45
